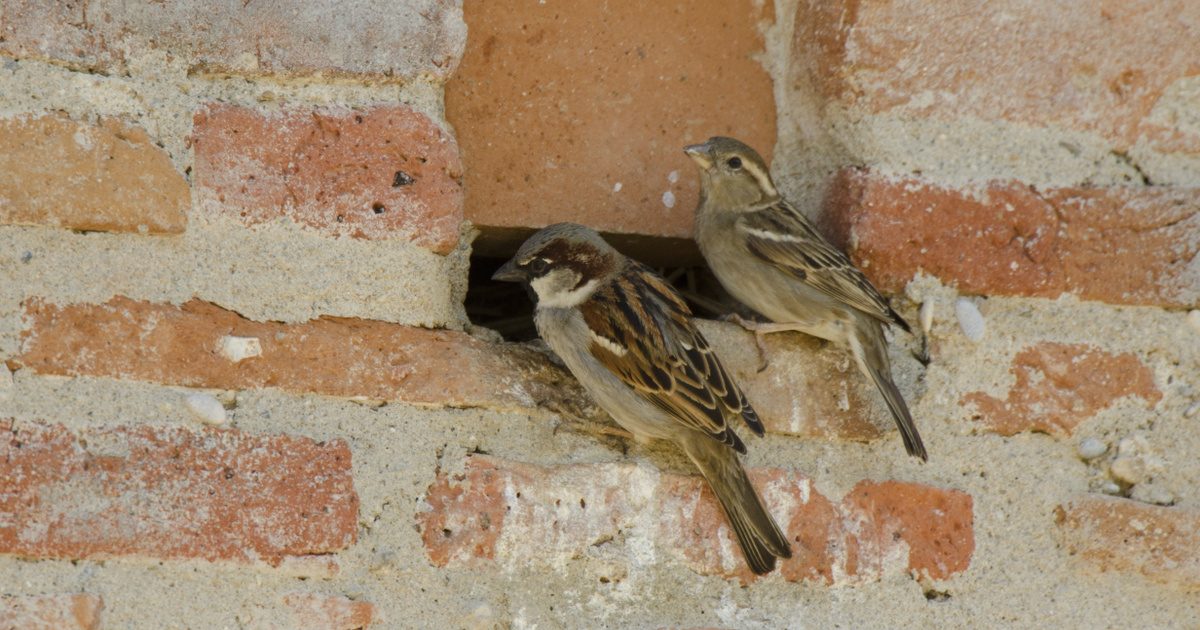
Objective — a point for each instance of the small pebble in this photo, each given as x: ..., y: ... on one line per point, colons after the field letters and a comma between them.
x: 1091, y: 448
x: 668, y: 199
x: 240, y: 348
x: 1110, y: 487
x: 1131, y: 470
x: 1153, y: 493
x: 1193, y: 319
x: 970, y: 320
x: 206, y: 408
x: 1192, y: 409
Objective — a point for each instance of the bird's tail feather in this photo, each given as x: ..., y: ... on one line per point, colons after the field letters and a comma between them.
x: 871, y: 354
x: 757, y: 534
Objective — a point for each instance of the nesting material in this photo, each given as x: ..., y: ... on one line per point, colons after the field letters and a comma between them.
x: 240, y: 348
x: 970, y: 320
x: 206, y: 408
x: 926, y: 317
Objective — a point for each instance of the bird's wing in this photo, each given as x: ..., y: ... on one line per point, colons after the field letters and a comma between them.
x: 642, y: 331
x: 782, y: 236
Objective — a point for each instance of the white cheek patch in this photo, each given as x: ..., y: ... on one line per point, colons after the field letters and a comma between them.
x: 550, y: 295
x: 608, y: 344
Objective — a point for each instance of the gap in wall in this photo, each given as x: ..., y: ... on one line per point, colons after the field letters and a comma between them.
x: 506, y: 308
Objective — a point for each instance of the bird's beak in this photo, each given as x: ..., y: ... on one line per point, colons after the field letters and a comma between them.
x: 509, y: 272
x: 700, y: 153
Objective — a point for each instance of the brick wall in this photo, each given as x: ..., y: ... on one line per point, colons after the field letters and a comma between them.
x: 238, y: 386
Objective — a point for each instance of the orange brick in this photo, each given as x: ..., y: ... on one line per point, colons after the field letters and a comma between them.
x: 1113, y: 534
x: 1060, y: 386
x: 315, y: 611
x: 383, y: 172
x: 78, y: 611
x: 344, y: 38
x: 1116, y: 245
x: 1006, y: 60
x: 173, y: 493
x: 179, y: 345
x: 518, y: 514
x: 579, y: 111
x: 107, y: 176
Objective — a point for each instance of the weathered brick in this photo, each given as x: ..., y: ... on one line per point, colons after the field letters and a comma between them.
x: 1114, y: 534
x: 79, y: 611
x: 1059, y: 386
x: 580, y: 111
x: 180, y: 345
x: 346, y: 38
x: 1007, y: 60
x: 1116, y: 245
x: 805, y: 390
x: 522, y: 515
x: 168, y: 492
x: 107, y: 176
x: 377, y: 173
x: 328, y: 612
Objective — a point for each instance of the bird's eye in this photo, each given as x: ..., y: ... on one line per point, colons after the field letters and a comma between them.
x: 734, y: 162
x: 538, y: 265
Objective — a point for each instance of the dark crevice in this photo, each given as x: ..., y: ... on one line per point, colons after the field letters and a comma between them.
x: 506, y: 308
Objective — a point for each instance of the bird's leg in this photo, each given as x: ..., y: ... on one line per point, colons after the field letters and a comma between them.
x: 760, y: 330
x: 594, y: 428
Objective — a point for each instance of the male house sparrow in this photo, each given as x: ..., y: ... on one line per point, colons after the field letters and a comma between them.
x: 629, y: 339
x: 771, y: 258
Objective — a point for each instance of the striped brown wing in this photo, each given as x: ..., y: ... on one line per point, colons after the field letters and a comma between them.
x: 642, y: 331
x: 783, y: 237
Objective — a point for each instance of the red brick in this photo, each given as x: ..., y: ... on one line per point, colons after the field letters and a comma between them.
x: 166, y: 492
x: 314, y: 611
x: 1059, y: 386
x: 377, y: 173
x: 344, y: 38
x: 520, y: 514
x: 556, y: 104
x: 78, y: 611
x: 1116, y: 245
x: 179, y: 345
x: 1113, y: 534
x: 107, y: 176
x: 1006, y: 60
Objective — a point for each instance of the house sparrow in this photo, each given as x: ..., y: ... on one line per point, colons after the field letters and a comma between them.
x: 629, y: 339
x: 771, y: 258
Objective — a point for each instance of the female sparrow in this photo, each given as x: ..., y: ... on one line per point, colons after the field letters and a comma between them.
x: 629, y: 339
x: 771, y: 258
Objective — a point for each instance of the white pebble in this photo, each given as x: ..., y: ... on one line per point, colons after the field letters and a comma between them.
x: 1091, y: 448
x: 239, y: 348
x: 926, y: 316
x: 1192, y: 409
x: 206, y: 408
x: 1110, y: 487
x: 970, y: 320
x: 668, y: 199
x: 617, y: 187
x: 1193, y: 319
x: 673, y: 176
